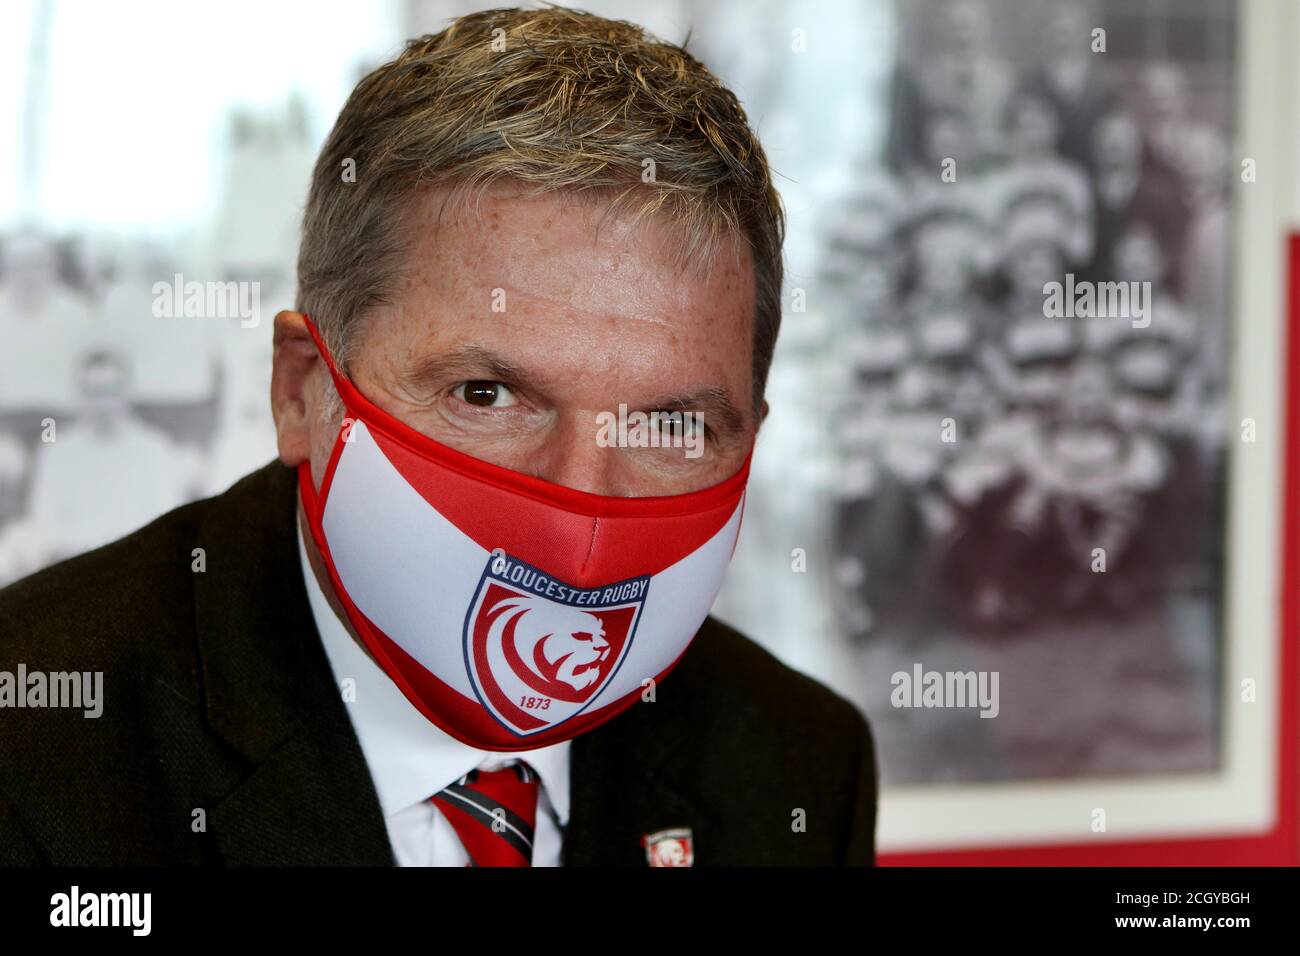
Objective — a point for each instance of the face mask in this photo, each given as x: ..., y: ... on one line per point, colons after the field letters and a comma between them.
x: 512, y: 612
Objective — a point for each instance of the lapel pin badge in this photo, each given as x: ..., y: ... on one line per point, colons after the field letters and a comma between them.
x: 673, y: 847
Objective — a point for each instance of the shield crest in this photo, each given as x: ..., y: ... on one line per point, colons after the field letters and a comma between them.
x: 538, y: 650
x: 674, y: 847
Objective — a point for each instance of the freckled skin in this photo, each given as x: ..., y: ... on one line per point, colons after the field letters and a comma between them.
x: 596, y: 314
x: 595, y: 317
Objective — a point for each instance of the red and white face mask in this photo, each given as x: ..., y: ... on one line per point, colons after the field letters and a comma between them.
x: 511, y: 611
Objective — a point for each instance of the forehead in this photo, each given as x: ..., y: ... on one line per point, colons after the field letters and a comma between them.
x: 554, y: 273
x: 567, y: 240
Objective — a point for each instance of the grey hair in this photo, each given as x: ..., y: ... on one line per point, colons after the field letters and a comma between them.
x: 557, y: 100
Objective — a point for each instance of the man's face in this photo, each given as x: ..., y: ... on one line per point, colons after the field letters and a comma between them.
x: 589, y: 314
x: 1118, y: 142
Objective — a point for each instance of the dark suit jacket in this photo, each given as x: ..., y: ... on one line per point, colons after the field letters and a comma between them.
x: 218, y: 697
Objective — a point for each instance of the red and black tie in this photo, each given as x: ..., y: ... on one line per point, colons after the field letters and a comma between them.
x: 494, y: 813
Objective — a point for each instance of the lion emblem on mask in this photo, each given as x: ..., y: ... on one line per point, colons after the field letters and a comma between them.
x: 558, y: 650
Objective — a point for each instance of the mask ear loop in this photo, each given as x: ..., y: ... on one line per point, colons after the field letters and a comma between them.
x: 324, y: 352
x: 353, y: 400
x: 312, y: 501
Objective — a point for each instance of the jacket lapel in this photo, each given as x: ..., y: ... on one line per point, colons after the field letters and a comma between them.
x: 623, y: 785
x: 307, y: 797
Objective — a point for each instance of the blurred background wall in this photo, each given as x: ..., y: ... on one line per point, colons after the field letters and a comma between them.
x: 143, y: 140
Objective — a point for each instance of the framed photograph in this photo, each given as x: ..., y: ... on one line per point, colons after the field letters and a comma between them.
x: 1073, y: 513
x: 1152, y: 702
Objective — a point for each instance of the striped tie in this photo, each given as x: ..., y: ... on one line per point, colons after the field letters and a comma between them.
x: 493, y: 813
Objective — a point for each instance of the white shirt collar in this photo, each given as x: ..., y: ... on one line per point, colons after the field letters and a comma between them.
x: 411, y: 759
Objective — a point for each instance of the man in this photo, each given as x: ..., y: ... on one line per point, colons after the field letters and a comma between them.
x: 471, y: 630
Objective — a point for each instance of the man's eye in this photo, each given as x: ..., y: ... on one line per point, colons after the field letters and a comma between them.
x: 684, y: 425
x: 671, y: 421
x: 485, y: 394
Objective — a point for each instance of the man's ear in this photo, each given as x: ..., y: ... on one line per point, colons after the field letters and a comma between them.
x: 292, y: 369
x: 762, y: 415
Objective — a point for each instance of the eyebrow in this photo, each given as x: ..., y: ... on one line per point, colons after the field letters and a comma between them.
x: 720, y: 413
x: 477, y: 362
x: 466, y: 361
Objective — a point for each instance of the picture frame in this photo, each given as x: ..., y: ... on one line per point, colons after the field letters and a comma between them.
x: 1245, y: 813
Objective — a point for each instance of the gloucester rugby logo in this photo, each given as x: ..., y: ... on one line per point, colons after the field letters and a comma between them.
x: 538, y: 650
